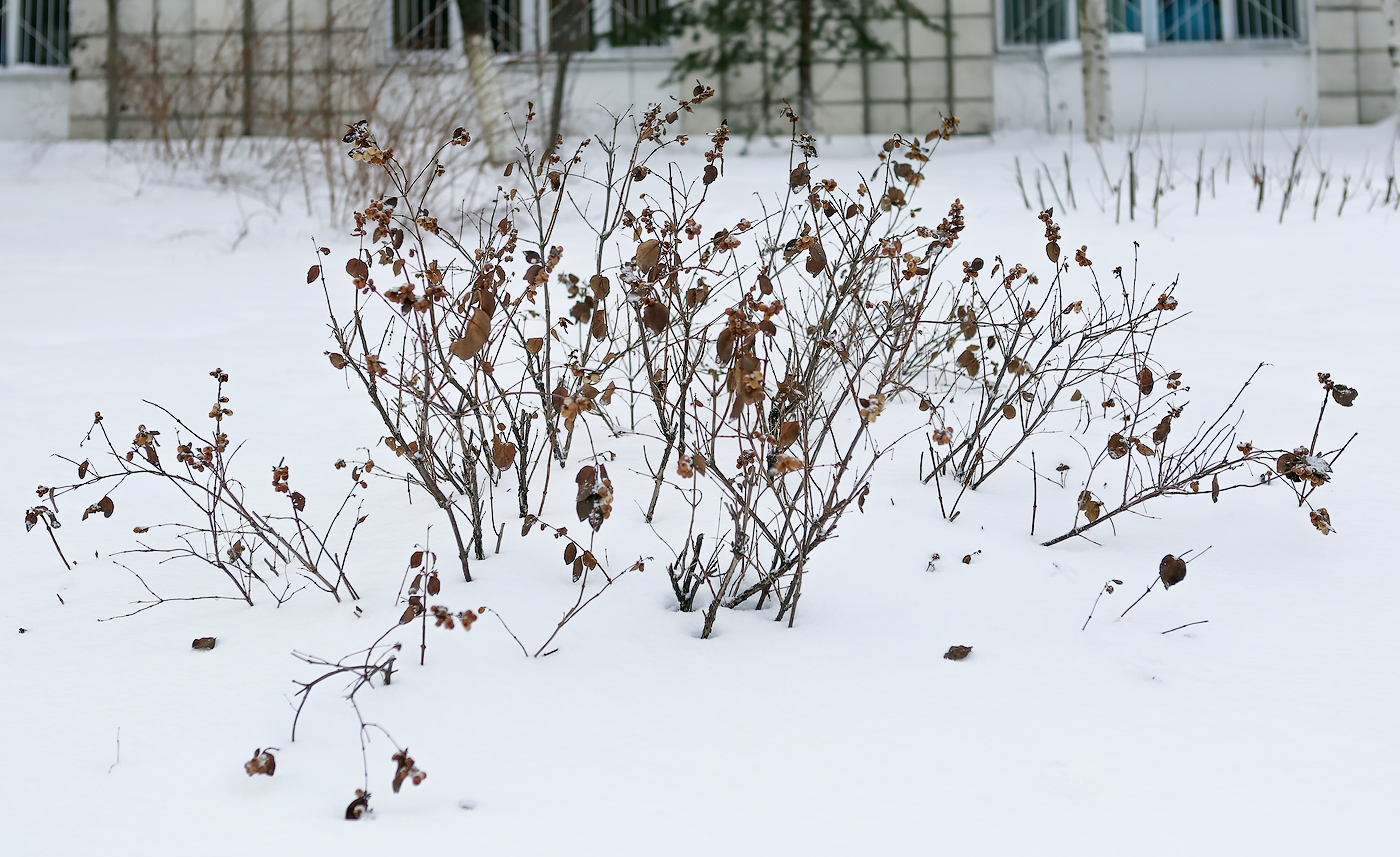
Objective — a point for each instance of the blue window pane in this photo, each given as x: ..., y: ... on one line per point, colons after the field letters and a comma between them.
x: 1125, y: 16
x: 1190, y: 20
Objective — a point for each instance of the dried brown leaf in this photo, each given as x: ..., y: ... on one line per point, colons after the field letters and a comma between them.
x: 474, y: 339
x: 788, y: 433
x: 1145, y: 381
x: 648, y: 254
x: 957, y: 653
x: 1172, y: 570
x: 1117, y: 446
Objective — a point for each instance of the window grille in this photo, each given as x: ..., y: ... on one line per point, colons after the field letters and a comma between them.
x: 1189, y: 21
x: 504, y: 26
x: 570, y: 25
x: 421, y: 25
x: 1033, y: 22
x: 1267, y: 19
x: 39, y: 34
x: 637, y: 22
x: 1125, y: 16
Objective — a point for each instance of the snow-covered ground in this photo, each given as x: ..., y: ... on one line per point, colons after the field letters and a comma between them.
x: 1270, y: 729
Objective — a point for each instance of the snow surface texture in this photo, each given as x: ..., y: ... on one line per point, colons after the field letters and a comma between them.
x: 1269, y: 730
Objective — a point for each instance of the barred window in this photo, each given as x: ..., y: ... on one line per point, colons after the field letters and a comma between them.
x: 1125, y: 16
x: 1034, y: 22
x: 1267, y: 19
x: 38, y: 35
x: 422, y: 25
x: 1189, y: 21
x: 503, y: 25
x: 570, y: 25
x: 637, y: 22
x: 1037, y: 22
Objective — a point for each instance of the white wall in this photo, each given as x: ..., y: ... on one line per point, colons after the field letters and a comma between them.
x: 599, y: 84
x: 33, y: 103
x: 1183, y: 88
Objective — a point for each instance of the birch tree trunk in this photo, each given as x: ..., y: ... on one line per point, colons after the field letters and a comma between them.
x: 486, y: 83
x: 1391, y: 10
x: 1093, y: 39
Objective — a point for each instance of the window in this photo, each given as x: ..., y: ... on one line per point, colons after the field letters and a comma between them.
x: 1036, y: 22
x: 421, y: 25
x: 636, y: 23
x: 1267, y: 19
x: 570, y: 25
x: 1125, y: 16
x: 525, y: 26
x: 38, y: 35
x: 1189, y: 21
x: 504, y: 26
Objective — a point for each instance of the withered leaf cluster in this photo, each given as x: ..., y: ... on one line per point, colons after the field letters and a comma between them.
x: 406, y: 770
x: 595, y: 495
x: 263, y: 762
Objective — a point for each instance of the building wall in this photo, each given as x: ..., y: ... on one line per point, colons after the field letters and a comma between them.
x: 1353, y: 69
x: 181, y: 68
x: 932, y: 74
x: 308, y: 67
x: 1165, y: 88
x: 33, y: 103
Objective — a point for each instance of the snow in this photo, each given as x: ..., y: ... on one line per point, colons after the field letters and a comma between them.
x: 1268, y: 729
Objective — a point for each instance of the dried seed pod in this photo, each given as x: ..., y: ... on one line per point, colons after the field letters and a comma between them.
x: 1052, y: 250
x: 203, y: 643
x: 1322, y: 521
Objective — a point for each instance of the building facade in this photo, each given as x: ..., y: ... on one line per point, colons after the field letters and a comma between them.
x: 107, y: 69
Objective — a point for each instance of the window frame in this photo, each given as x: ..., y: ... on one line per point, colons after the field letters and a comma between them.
x: 1150, y: 12
x: 13, y: 41
x: 532, y: 36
